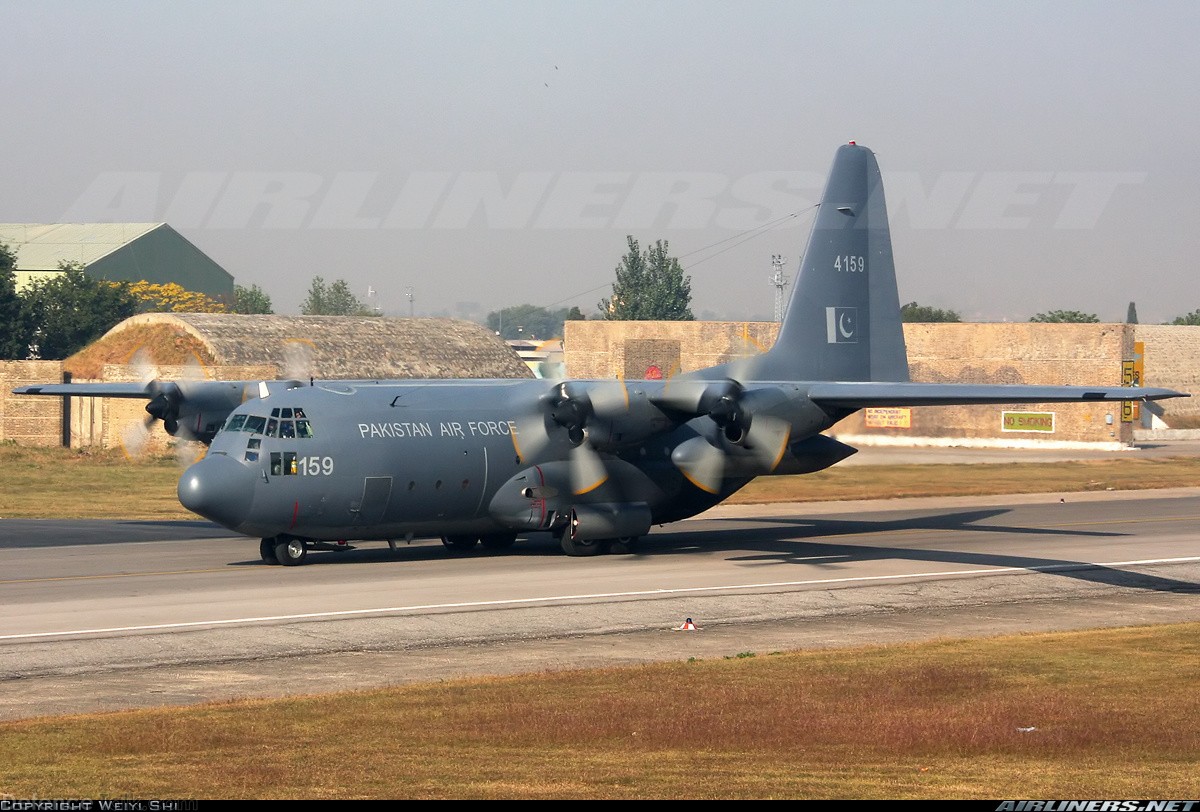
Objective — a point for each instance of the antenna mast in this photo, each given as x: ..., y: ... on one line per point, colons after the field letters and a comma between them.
x: 780, y: 282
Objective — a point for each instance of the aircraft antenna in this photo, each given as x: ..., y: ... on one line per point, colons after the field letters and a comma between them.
x: 780, y: 282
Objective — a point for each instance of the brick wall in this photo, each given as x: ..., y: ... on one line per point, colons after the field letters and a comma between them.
x: 29, y: 420
x: 95, y: 422
x: 1173, y: 360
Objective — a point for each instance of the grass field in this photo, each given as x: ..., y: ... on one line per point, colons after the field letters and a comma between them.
x: 1098, y: 714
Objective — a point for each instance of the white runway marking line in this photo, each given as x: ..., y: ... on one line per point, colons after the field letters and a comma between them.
x: 643, y: 593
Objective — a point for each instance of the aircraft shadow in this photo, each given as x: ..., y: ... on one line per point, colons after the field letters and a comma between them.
x: 777, y: 543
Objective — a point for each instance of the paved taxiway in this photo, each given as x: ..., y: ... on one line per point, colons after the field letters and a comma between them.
x: 106, y: 615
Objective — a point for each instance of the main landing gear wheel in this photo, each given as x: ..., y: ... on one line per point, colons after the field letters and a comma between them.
x: 500, y: 541
x: 582, y: 547
x: 290, y: 551
x: 624, y: 545
x: 460, y: 544
x: 266, y: 549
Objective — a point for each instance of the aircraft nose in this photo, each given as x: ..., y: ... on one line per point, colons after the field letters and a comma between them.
x: 218, y: 488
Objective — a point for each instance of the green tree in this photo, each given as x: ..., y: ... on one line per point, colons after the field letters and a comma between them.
x: 913, y: 312
x: 650, y: 286
x: 251, y: 300
x: 1131, y: 314
x: 1066, y: 316
x: 527, y: 321
x: 14, y: 332
x: 334, y: 299
x: 1192, y: 318
x: 71, y: 310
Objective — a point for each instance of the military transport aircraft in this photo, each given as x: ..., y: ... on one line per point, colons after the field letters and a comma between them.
x: 314, y: 465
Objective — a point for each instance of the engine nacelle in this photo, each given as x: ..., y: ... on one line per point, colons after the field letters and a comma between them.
x: 610, y: 520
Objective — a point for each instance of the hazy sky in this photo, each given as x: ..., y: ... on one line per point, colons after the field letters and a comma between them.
x: 1036, y: 156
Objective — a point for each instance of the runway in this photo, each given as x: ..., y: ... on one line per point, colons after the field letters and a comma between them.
x: 107, y: 615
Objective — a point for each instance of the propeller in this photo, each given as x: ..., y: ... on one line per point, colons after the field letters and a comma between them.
x: 298, y: 359
x: 562, y: 415
x: 165, y: 404
x: 747, y: 440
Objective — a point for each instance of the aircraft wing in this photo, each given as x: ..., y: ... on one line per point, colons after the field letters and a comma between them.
x: 858, y: 395
x: 88, y: 390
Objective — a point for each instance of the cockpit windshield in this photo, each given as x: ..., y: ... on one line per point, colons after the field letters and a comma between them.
x: 285, y: 423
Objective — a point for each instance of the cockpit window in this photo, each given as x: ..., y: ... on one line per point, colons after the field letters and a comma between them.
x: 303, y: 429
x: 235, y: 423
x: 255, y: 424
x: 287, y: 429
x: 272, y: 426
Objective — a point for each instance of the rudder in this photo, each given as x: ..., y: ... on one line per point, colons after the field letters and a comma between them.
x: 843, y: 320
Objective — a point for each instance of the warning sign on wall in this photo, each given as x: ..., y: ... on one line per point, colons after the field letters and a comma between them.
x: 1027, y: 421
x: 888, y: 418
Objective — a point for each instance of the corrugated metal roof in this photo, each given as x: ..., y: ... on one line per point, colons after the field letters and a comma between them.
x: 41, y: 246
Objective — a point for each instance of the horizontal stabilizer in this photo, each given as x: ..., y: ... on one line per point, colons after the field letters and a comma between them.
x: 858, y: 395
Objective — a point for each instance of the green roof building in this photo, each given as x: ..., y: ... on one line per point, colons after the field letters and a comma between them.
x: 118, y: 252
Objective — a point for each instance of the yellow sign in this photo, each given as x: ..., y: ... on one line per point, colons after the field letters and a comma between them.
x: 1131, y: 375
x: 889, y: 418
x: 1027, y: 421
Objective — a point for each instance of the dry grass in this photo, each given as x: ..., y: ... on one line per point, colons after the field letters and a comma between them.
x: 1115, y: 715
x: 39, y: 483
x: 158, y: 343
x: 43, y: 483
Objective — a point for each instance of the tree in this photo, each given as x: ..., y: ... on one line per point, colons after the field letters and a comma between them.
x: 251, y: 300
x: 1131, y: 314
x: 72, y: 309
x: 527, y: 321
x: 650, y: 286
x: 172, y: 298
x: 333, y: 300
x: 1066, y: 316
x: 14, y: 332
x: 913, y: 312
x: 1192, y: 318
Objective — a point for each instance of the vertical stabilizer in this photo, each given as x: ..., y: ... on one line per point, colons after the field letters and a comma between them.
x: 843, y: 322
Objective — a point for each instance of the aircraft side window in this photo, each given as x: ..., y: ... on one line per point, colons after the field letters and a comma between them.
x: 251, y: 456
x: 287, y: 429
x: 254, y: 442
x: 276, y: 463
x: 255, y: 424
x: 303, y: 429
x: 236, y: 422
x: 289, y: 463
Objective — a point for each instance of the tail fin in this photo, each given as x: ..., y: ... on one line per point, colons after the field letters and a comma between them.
x: 843, y: 321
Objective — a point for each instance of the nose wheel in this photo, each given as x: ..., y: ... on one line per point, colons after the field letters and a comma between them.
x: 286, y: 550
